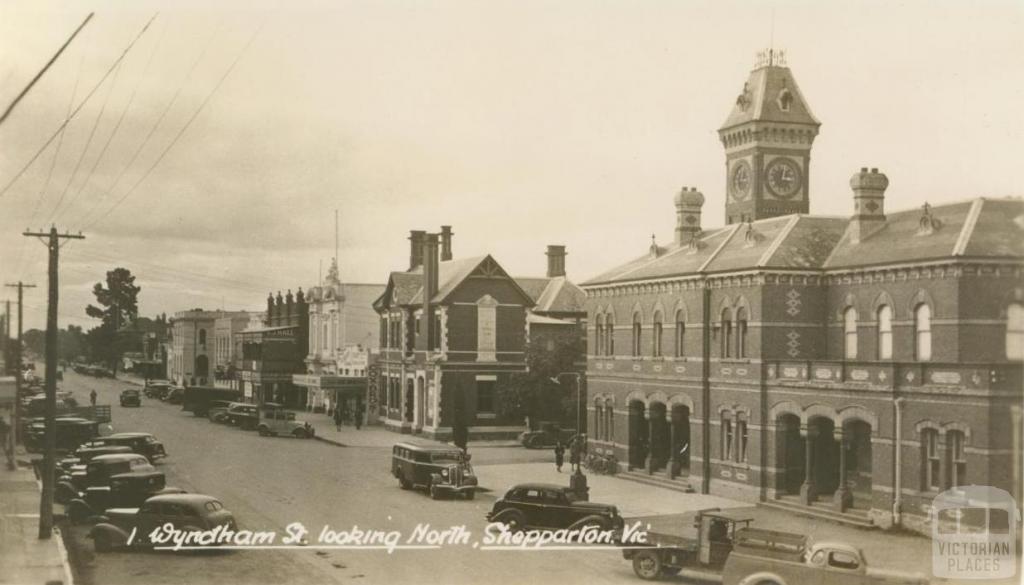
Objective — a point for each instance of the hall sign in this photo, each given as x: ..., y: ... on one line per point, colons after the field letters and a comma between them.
x: 258, y: 377
x: 328, y: 382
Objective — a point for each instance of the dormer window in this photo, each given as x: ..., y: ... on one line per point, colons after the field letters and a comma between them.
x: 785, y: 100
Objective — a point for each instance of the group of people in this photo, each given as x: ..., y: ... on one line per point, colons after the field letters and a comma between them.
x: 577, y: 446
x: 342, y: 415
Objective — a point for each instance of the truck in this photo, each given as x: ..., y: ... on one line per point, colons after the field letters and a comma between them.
x: 197, y: 399
x: 725, y: 549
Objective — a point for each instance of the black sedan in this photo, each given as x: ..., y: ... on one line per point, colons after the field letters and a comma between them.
x: 131, y: 398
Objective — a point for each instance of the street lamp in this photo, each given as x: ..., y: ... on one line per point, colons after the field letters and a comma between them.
x: 579, y: 400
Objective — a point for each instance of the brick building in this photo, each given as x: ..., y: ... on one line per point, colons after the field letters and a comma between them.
x: 454, y: 330
x: 275, y: 351
x: 191, y: 354
x: 852, y: 367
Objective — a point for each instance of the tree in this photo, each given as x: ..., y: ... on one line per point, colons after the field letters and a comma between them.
x: 118, y: 306
x: 534, y: 393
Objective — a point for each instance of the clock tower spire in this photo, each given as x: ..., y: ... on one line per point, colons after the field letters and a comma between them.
x: 767, y: 139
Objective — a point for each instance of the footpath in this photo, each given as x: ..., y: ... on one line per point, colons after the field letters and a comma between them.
x: 24, y: 559
x: 375, y: 435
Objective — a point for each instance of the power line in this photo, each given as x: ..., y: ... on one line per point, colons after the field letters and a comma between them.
x: 28, y: 164
x: 120, y: 119
x: 188, y: 123
x: 24, y: 92
x: 159, y: 120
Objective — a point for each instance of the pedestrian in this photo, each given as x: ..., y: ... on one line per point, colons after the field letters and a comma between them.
x: 559, y: 456
x: 575, y: 453
x: 359, y: 416
x: 92, y: 397
x: 337, y: 417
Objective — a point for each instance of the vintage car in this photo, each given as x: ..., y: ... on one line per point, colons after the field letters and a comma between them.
x: 547, y: 435
x: 174, y: 396
x: 98, y: 473
x: 754, y: 560
x: 86, y: 452
x: 126, y: 490
x: 200, y: 399
x: 186, y: 512
x: 218, y: 411
x: 131, y: 397
x: 157, y: 388
x: 241, y: 414
x: 71, y: 432
x: 278, y: 421
x: 549, y: 507
x: 442, y: 470
x: 141, y: 443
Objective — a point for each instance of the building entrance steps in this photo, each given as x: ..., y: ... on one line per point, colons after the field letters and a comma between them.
x: 679, y: 484
x: 823, y: 510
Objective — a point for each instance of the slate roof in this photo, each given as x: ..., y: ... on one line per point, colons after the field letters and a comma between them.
x: 558, y: 295
x: 981, y: 228
x: 760, y: 101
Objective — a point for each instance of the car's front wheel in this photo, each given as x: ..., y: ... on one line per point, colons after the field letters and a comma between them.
x: 263, y: 432
x: 647, y: 565
x: 101, y: 543
x: 300, y: 433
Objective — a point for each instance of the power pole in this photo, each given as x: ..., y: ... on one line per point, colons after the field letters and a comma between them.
x: 53, y: 244
x: 17, y: 364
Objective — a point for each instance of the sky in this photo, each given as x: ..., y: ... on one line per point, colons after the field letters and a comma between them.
x: 244, y: 126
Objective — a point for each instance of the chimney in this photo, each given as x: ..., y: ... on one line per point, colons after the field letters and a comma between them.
x: 446, y: 243
x: 430, y: 284
x: 556, y: 261
x: 688, y: 205
x: 270, y: 306
x: 416, y: 248
x: 289, y: 300
x: 868, y: 203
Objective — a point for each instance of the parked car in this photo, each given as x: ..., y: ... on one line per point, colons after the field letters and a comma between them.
x: 98, y: 473
x: 174, y: 396
x: 546, y: 435
x: 274, y: 421
x: 218, y: 411
x: 187, y: 512
x: 86, y: 452
x: 157, y: 388
x: 141, y: 443
x: 198, y: 399
x: 131, y: 397
x: 550, y: 507
x: 126, y: 490
x: 241, y: 414
x: 71, y: 432
x: 441, y: 470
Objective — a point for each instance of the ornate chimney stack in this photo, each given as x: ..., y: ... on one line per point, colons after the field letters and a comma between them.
x: 556, y: 261
x: 689, y: 202
x: 416, y: 248
x: 430, y: 285
x: 868, y: 203
x: 446, y: 243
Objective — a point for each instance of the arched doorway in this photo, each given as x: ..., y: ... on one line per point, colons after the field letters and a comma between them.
x: 409, y: 396
x: 658, y: 428
x: 789, y: 453
x: 421, y: 402
x: 857, y: 463
x: 825, y: 455
x: 679, y: 444
x: 637, y: 434
x: 202, y: 366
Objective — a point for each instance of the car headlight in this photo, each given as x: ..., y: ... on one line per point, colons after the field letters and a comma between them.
x: 444, y: 472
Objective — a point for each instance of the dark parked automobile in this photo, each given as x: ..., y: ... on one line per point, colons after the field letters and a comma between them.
x: 157, y: 388
x: 174, y: 396
x: 141, y: 443
x: 442, y: 470
x: 243, y: 415
x: 86, y: 452
x: 98, y: 473
x: 198, y: 399
x: 126, y: 490
x: 187, y: 512
x: 71, y: 432
x: 131, y: 397
x: 546, y: 435
x: 218, y: 411
x: 548, y: 506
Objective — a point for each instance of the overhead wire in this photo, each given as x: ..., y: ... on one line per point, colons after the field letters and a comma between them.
x: 184, y: 128
x: 159, y: 120
x: 20, y: 173
x: 120, y: 120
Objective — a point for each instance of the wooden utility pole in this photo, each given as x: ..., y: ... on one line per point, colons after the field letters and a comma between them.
x: 53, y: 244
x: 18, y: 362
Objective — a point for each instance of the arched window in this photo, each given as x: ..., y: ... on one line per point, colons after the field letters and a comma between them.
x: 637, y: 331
x: 1015, y: 331
x: 726, y: 333
x: 598, y: 416
x: 930, y: 476
x: 610, y: 427
x: 680, y: 334
x: 741, y: 332
x: 202, y: 337
x: 850, y: 333
x: 609, y: 335
x: 657, y: 334
x: 957, y: 458
x: 923, y: 332
x: 885, y: 332
x: 599, y: 336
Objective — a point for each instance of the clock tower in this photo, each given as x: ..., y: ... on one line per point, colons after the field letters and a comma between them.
x: 767, y: 140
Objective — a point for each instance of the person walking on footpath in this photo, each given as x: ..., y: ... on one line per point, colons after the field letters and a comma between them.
x: 359, y: 416
x: 337, y: 417
x: 559, y: 455
x: 92, y: 397
x: 575, y: 453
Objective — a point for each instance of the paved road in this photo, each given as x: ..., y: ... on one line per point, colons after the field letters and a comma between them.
x: 271, y: 482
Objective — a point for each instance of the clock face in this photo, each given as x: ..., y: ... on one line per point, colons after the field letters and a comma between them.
x: 783, y: 178
x: 739, y: 183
